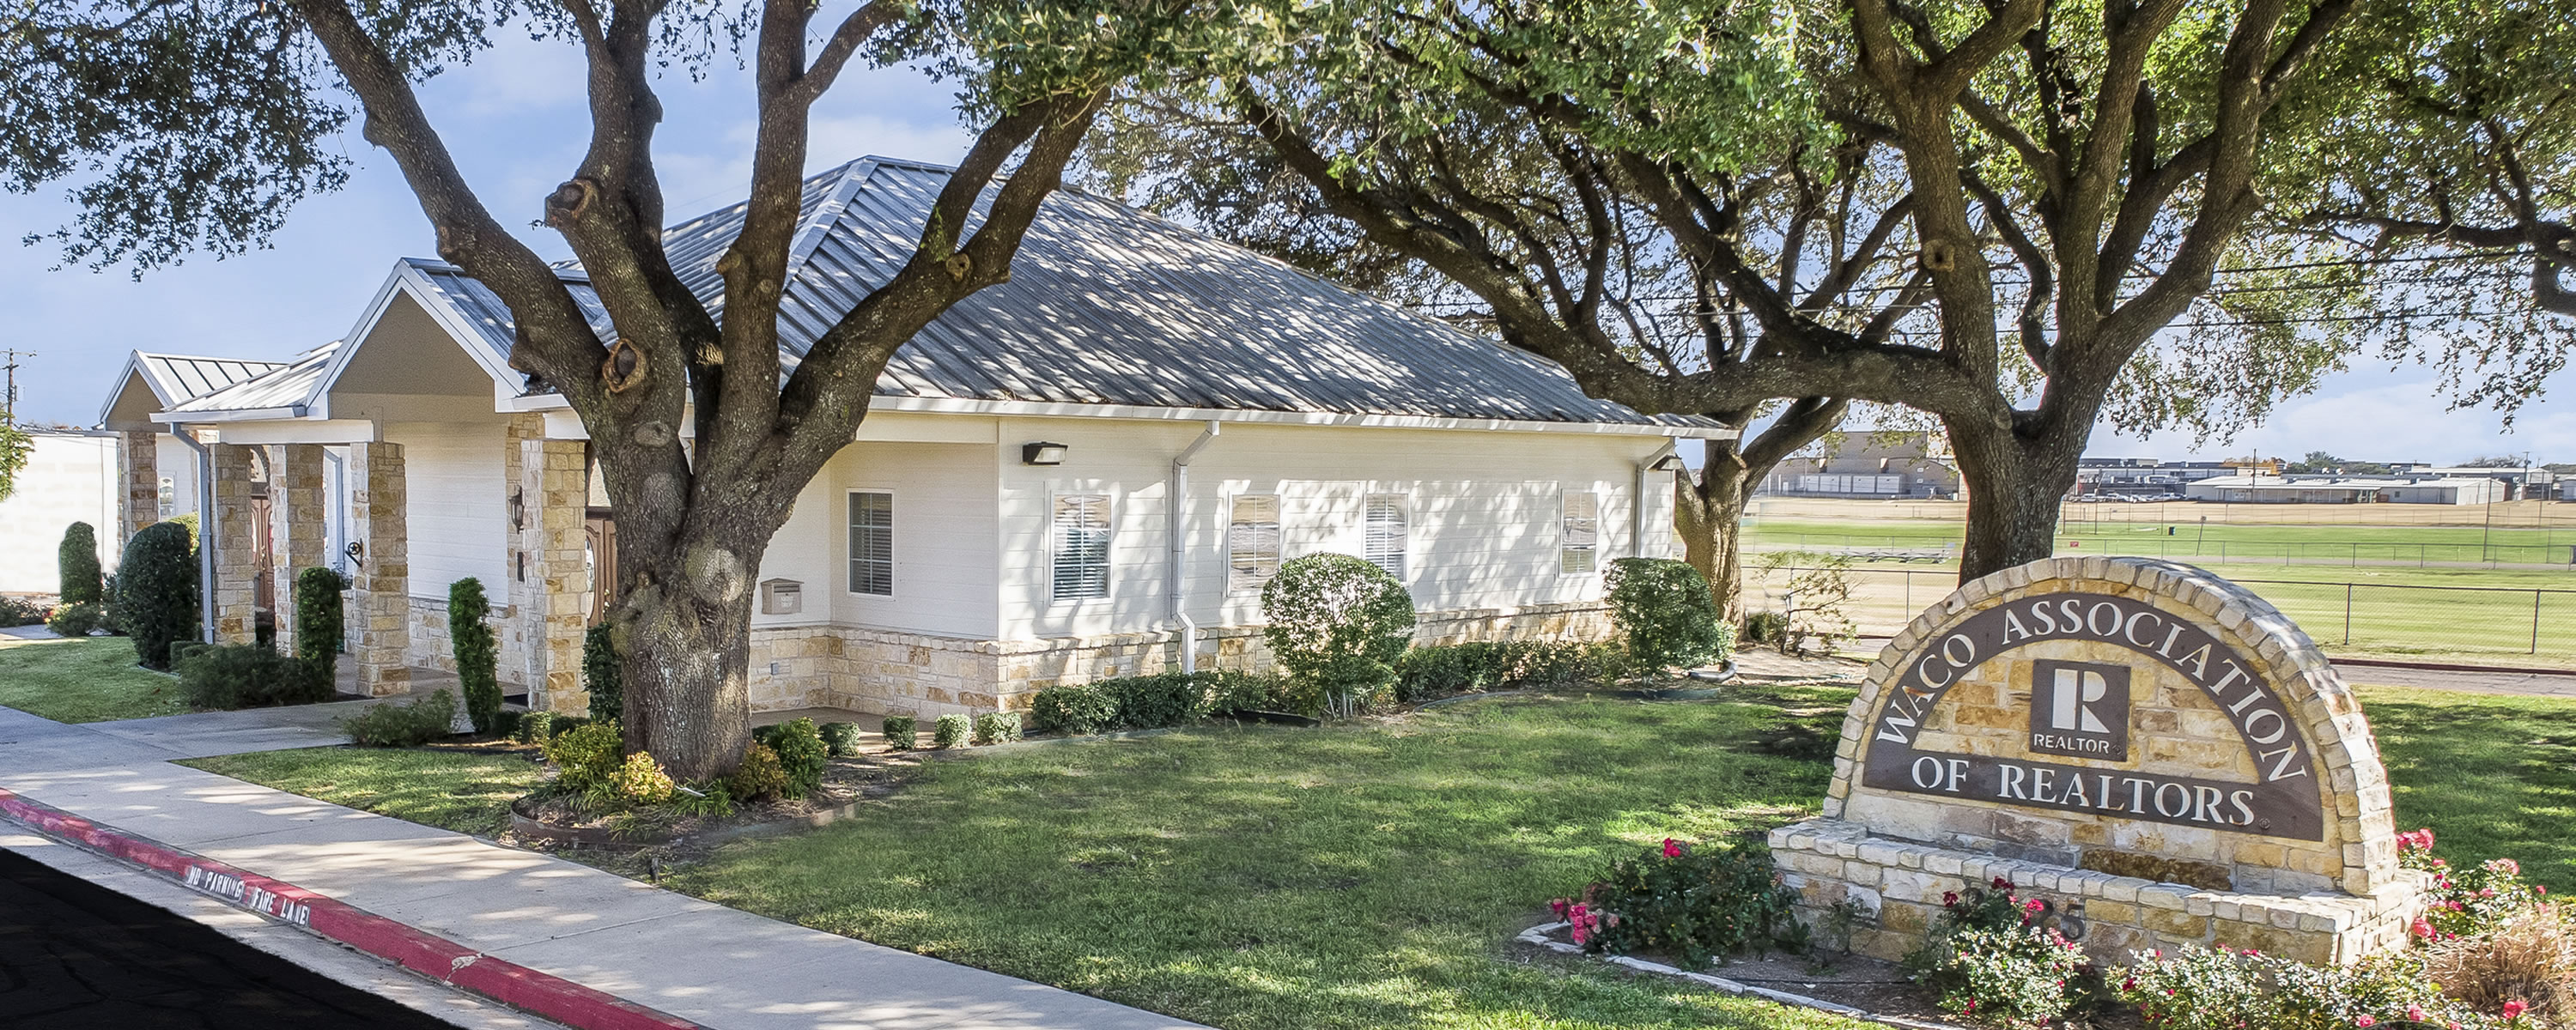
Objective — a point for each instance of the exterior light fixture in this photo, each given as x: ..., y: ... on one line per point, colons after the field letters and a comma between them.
x: 1042, y: 453
x: 1668, y: 463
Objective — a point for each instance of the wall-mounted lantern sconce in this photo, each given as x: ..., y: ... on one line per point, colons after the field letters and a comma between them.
x: 518, y: 509
x: 1668, y: 463
x: 357, y: 553
x: 1042, y: 453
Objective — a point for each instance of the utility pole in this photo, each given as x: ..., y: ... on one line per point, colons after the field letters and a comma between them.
x: 9, y: 401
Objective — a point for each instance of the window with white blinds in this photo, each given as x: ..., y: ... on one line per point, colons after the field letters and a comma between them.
x: 1252, y: 539
x: 872, y: 543
x: 1080, y: 528
x: 1579, y: 531
x: 1386, y: 532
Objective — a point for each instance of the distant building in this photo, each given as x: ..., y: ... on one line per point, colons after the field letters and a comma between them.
x: 2156, y: 477
x: 2328, y: 489
x: 70, y: 477
x: 2519, y: 483
x: 1868, y: 464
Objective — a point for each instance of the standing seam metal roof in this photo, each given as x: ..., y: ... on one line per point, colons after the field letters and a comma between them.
x: 1106, y: 305
x: 185, y: 377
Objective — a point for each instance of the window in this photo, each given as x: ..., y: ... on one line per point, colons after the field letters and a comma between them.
x: 872, y: 544
x: 1579, y: 531
x: 1081, y: 544
x: 1252, y: 538
x: 1384, y: 539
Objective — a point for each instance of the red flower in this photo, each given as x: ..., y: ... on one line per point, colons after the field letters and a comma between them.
x: 1672, y: 848
x: 2415, y: 1013
x: 1559, y: 906
x: 2513, y: 1009
x: 2033, y: 906
x: 2420, y: 928
x: 2002, y: 884
x: 1949, y: 899
x: 2365, y: 1021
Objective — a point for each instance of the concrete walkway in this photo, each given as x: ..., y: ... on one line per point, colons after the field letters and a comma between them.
x: 692, y: 959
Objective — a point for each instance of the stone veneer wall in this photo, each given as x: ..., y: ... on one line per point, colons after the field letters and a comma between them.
x: 430, y: 648
x: 917, y: 674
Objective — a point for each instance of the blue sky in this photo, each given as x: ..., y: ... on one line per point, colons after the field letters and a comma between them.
x: 514, y: 120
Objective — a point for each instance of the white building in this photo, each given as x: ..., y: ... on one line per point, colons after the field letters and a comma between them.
x: 2344, y: 490
x: 1087, y: 471
x: 70, y: 477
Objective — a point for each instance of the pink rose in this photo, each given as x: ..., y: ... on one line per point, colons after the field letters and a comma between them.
x: 2420, y: 928
x: 2365, y: 1021
x: 1672, y: 848
x: 2513, y: 1009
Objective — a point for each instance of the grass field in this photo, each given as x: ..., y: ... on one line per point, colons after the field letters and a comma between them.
x: 2187, y: 540
x: 91, y: 679
x: 1365, y: 875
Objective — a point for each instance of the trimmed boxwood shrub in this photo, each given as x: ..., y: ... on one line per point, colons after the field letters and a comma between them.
x: 997, y: 727
x: 601, y: 674
x: 410, y: 724
x: 245, y: 676
x: 586, y: 756
x: 159, y: 582
x: 16, y: 611
x: 320, y: 627
x: 901, y: 732
x: 950, y: 731
x: 800, y: 750
x: 75, y: 620
x: 1449, y: 669
x: 841, y: 737
x: 535, y: 728
x: 759, y: 777
x: 77, y: 561
x: 1338, y: 623
x: 477, y: 656
x: 1075, y: 709
x: 1666, y: 615
x: 1165, y: 699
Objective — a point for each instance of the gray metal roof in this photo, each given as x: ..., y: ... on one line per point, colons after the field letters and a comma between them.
x: 177, y: 378
x: 282, y: 386
x: 1106, y: 305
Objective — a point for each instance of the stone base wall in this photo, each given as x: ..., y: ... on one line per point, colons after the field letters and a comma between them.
x: 928, y: 676
x: 1895, y: 887
x: 430, y: 648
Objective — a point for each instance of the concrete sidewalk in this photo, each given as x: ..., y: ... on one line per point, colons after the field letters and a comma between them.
x: 695, y: 960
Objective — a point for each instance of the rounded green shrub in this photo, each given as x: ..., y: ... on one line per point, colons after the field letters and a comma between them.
x: 477, y: 655
x: 587, y: 756
x: 77, y: 560
x: 1074, y: 709
x: 841, y: 737
x: 159, y: 582
x: 75, y: 620
x: 801, y: 751
x: 640, y: 780
x: 901, y: 732
x: 1163, y: 699
x: 1339, y: 623
x: 951, y: 731
x: 1665, y: 613
x: 535, y: 728
x: 409, y: 724
x: 759, y: 777
x: 997, y: 727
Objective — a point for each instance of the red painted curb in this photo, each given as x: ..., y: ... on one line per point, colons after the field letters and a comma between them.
x: 440, y: 959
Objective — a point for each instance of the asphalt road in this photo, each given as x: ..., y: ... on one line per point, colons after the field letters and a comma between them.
x: 77, y: 955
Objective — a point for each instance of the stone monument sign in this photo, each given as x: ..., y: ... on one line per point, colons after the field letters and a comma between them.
x: 2155, y: 753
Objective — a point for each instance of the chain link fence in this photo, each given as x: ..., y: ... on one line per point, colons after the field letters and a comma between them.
x: 2185, y: 546
x: 2373, y: 618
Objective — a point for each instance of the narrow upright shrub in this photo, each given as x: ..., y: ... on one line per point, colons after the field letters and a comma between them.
x: 477, y: 658
x: 159, y: 581
x: 601, y: 675
x: 1665, y: 613
x: 317, y: 634
x: 77, y: 560
x: 1338, y: 623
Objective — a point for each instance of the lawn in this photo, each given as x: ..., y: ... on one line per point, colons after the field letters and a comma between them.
x: 92, y: 679
x: 467, y: 793
x: 1364, y: 875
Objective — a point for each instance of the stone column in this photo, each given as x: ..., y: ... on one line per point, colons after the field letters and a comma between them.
x: 380, y: 591
x: 138, y: 452
x: 554, y: 601
x: 234, y: 535
x: 297, y: 527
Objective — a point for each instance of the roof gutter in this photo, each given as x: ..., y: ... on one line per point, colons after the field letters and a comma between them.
x: 206, y: 536
x: 1177, y: 504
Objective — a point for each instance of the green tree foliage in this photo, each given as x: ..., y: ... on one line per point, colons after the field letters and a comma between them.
x: 477, y: 656
x: 158, y: 582
x: 198, y: 126
x: 77, y: 559
x: 15, y: 448
x: 2023, y: 218
x: 1337, y: 622
x: 1663, y: 610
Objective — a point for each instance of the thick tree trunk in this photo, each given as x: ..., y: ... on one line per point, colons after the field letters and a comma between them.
x: 684, y: 642
x: 1708, y: 513
x: 2015, y: 481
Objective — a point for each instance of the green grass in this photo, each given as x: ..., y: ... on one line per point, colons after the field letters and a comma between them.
x: 91, y: 679
x: 1366, y: 875
x: 2494, y: 776
x: 463, y: 792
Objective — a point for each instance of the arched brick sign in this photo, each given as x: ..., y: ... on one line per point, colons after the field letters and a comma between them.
x: 2126, y: 720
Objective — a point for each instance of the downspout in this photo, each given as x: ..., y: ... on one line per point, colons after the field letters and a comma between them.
x: 205, y: 531
x: 1177, y: 506
x: 1637, y: 510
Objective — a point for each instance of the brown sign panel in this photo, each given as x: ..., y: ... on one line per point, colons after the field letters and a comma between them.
x: 2081, y: 710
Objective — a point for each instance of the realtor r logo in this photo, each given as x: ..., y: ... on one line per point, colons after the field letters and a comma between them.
x: 2080, y: 709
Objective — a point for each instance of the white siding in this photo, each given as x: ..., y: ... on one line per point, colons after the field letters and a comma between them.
x: 944, y: 531
x: 456, y: 506
x: 1483, y: 513
x: 68, y: 479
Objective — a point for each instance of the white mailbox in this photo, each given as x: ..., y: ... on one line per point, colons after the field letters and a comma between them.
x: 781, y: 597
